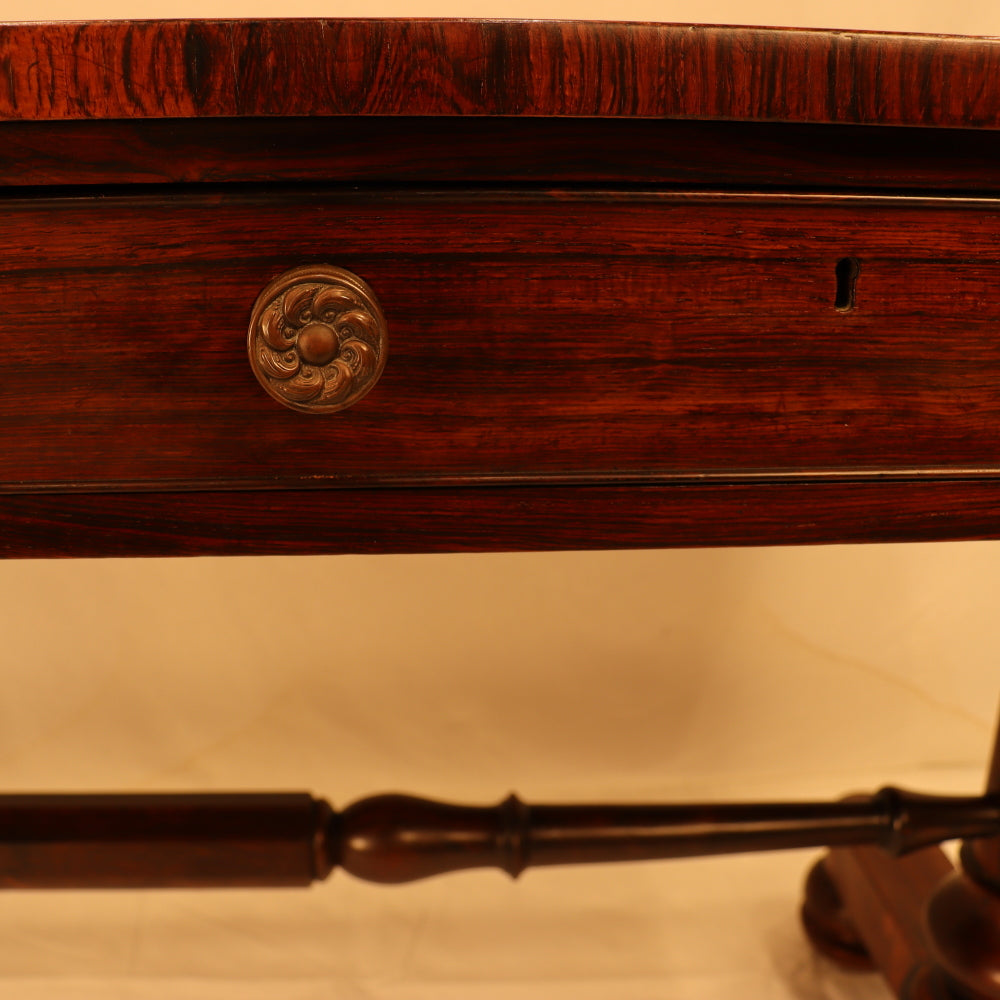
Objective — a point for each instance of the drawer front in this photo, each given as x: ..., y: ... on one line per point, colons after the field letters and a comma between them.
x: 532, y: 337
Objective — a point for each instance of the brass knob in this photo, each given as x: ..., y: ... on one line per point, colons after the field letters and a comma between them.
x: 318, y: 338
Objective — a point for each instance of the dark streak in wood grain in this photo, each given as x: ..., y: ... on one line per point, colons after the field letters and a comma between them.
x: 198, y: 56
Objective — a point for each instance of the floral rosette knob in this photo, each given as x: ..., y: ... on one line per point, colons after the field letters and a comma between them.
x: 318, y: 339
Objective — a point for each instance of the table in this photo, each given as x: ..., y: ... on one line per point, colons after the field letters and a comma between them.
x: 858, y: 441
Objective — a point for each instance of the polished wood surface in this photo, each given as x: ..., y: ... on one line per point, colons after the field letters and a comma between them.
x: 197, y: 840
x: 450, y: 150
x: 177, y: 69
x: 747, y: 319
x: 516, y: 518
x: 536, y: 337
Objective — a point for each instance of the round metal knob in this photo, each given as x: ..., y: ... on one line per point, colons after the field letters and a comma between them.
x: 318, y: 338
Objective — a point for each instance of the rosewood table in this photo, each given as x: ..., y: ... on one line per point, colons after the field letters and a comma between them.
x: 395, y: 286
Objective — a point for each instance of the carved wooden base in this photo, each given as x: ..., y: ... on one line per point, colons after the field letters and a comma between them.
x: 930, y: 929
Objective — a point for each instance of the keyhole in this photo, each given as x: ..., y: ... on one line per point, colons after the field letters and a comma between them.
x: 847, y: 271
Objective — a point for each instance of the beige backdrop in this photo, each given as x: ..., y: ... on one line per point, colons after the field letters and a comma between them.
x: 755, y: 673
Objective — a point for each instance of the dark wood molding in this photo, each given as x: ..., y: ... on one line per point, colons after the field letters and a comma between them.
x: 497, y: 519
x: 479, y: 150
x: 180, y: 69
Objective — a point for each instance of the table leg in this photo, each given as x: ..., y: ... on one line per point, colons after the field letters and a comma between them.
x: 931, y: 929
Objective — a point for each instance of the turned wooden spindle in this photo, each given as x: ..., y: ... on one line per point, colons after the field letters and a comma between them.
x: 200, y: 840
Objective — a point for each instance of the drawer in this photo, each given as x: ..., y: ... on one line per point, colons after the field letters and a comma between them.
x: 565, y: 336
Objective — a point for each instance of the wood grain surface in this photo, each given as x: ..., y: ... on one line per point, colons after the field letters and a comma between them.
x: 533, y: 337
x: 612, y: 257
x: 478, y: 150
x: 513, y: 518
x: 171, y: 69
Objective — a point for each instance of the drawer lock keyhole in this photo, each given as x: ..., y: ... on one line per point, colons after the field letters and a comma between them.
x: 847, y: 271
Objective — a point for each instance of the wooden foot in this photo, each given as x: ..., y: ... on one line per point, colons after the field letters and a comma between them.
x: 963, y: 925
x: 882, y: 900
x: 828, y: 924
x: 931, y: 930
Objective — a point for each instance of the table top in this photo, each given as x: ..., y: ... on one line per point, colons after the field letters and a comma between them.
x: 183, y: 68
